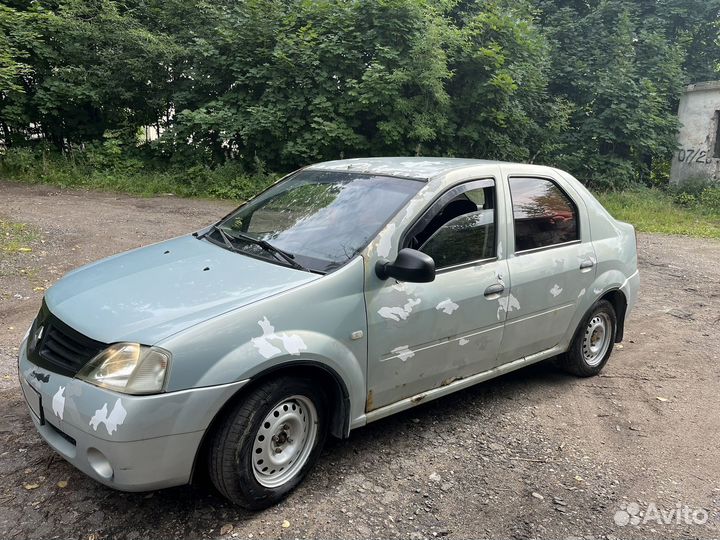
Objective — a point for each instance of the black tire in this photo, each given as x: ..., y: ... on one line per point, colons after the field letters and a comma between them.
x: 574, y: 361
x: 231, y: 455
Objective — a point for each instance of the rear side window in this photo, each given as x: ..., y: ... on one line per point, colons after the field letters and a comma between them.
x: 544, y: 215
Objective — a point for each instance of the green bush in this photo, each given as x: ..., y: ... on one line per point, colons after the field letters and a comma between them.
x: 710, y: 198
x: 696, y: 192
x: 109, y: 167
x: 19, y: 161
x: 694, y: 186
x: 685, y: 199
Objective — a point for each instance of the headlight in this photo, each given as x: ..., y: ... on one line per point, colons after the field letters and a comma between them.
x: 130, y: 368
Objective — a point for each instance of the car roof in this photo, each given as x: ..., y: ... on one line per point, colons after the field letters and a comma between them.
x: 418, y: 168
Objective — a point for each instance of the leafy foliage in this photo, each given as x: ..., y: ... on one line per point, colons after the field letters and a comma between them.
x: 589, y: 85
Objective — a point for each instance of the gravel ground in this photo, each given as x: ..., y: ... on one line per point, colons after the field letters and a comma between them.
x: 534, y: 454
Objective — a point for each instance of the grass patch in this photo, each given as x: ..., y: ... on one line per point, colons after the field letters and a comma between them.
x: 16, y: 237
x: 96, y: 170
x: 655, y: 211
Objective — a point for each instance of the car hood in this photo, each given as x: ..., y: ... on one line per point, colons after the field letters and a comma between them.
x: 153, y: 292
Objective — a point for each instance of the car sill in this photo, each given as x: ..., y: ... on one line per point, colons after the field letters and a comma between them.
x: 459, y: 384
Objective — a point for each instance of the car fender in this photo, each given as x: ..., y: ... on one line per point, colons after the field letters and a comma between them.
x: 259, y: 356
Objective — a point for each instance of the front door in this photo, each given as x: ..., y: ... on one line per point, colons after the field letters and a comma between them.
x: 425, y: 335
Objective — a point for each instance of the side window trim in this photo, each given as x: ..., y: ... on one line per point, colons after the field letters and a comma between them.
x: 545, y: 248
x: 439, y: 203
x: 569, y: 197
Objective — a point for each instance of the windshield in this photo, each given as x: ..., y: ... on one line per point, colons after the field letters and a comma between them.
x: 321, y: 219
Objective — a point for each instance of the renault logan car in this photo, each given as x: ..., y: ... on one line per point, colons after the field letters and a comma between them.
x: 346, y: 292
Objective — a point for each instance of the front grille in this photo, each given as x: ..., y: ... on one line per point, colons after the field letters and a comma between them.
x: 60, y: 348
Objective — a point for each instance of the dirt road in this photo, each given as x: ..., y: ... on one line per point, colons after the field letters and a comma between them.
x: 536, y: 454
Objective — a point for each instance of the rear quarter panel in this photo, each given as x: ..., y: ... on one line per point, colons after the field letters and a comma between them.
x: 615, y: 249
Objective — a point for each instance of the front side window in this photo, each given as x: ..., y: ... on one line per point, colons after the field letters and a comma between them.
x: 322, y: 219
x: 543, y: 214
x: 462, y: 231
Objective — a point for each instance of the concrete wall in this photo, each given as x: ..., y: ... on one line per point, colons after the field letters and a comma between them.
x: 698, y: 155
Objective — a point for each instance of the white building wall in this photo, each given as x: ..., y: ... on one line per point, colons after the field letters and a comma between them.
x: 698, y: 155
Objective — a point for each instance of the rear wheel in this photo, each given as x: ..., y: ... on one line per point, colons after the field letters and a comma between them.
x: 593, y: 342
x: 269, y: 442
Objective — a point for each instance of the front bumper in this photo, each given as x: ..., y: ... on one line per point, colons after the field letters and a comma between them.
x: 130, y: 443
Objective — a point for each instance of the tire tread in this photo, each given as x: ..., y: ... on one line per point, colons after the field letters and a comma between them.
x: 572, y: 360
x: 233, y: 432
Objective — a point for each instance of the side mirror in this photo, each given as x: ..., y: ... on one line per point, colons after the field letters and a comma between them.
x: 410, y: 265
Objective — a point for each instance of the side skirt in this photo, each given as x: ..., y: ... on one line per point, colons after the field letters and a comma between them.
x: 459, y: 384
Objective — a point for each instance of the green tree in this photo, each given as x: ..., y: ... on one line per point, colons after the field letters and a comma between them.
x: 500, y: 106
x: 17, y: 38
x: 621, y: 66
x: 306, y: 80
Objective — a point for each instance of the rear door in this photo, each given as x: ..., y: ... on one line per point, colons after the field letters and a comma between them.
x: 551, y: 263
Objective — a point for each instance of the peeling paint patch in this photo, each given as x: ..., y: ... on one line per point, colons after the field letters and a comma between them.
x: 556, y: 290
x: 403, y: 352
x: 267, y: 328
x: 597, y: 291
x: 293, y: 343
x: 58, y: 402
x: 42, y: 377
x: 507, y: 304
x: 500, y: 250
x: 398, y: 313
x: 582, y: 293
x: 417, y: 399
x: 463, y: 342
x: 265, y: 348
x: 450, y: 380
x: 112, y: 420
x: 262, y: 343
x: 447, y: 306
x: 385, y: 241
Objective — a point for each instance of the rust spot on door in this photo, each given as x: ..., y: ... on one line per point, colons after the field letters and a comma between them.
x: 369, y: 403
x: 450, y: 380
x: 418, y: 398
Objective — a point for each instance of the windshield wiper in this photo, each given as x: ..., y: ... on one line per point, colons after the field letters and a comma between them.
x: 264, y: 244
x: 225, y: 238
x: 267, y: 246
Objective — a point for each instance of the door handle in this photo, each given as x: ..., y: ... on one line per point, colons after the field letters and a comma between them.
x: 587, y: 264
x: 494, y: 290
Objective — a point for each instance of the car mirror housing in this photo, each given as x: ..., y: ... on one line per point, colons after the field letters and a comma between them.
x: 410, y: 265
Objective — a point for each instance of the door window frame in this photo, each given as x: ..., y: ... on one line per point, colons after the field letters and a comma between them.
x: 573, y: 202
x: 440, y: 202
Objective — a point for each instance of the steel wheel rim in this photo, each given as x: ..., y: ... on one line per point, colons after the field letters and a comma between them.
x: 596, y: 340
x: 284, y: 441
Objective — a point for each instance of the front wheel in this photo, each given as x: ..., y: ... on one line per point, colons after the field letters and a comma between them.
x: 593, y: 342
x: 269, y: 442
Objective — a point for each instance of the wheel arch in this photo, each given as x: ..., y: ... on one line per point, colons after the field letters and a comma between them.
x: 326, y: 376
x: 619, y: 302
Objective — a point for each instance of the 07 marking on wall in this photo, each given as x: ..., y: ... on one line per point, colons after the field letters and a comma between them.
x: 691, y: 155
